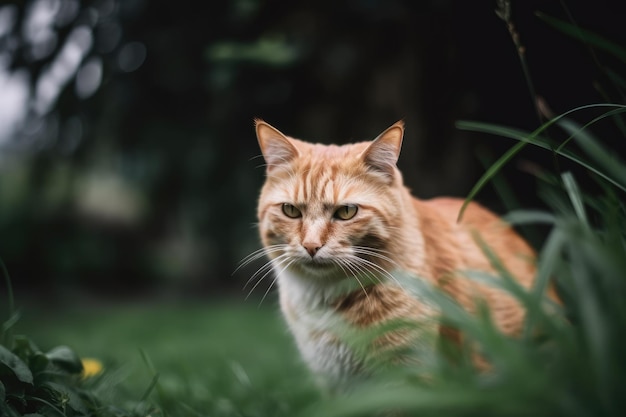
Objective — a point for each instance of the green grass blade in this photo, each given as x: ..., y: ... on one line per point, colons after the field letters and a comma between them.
x: 507, y: 280
x: 613, y: 167
x: 585, y: 36
x: 596, y: 326
x: 489, y: 175
x: 502, y: 187
x: 533, y: 301
x: 146, y: 394
x: 549, y: 260
x: 605, y: 115
x: 519, y: 217
x: 535, y: 139
x: 154, y: 383
x: 575, y: 197
x: 518, y: 134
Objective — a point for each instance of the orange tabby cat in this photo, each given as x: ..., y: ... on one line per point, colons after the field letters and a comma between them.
x: 336, y: 221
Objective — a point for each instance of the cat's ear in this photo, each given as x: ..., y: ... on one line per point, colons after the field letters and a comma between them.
x: 276, y: 148
x: 382, y: 154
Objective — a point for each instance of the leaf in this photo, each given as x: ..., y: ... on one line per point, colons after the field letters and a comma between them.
x: 51, y: 406
x: 66, y: 359
x: 38, y: 362
x: 16, y: 365
x: 24, y: 348
x: 68, y: 396
x: 10, y: 322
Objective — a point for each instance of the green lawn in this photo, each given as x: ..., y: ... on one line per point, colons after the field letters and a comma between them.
x: 214, y: 358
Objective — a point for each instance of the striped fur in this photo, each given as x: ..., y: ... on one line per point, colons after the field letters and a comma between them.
x: 349, y: 276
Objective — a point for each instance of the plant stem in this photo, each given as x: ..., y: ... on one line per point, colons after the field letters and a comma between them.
x: 503, y: 11
x: 7, y: 280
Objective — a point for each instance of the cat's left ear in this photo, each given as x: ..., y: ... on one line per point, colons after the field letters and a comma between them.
x: 276, y: 148
x: 383, y: 153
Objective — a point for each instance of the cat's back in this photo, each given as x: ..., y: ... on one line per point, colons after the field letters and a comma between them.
x: 439, y: 219
x: 453, y: 246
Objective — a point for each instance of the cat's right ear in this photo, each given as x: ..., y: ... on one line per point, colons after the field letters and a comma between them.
x: 382, y: 154
x: 276, y: 148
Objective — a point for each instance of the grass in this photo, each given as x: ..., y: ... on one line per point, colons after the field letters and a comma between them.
x: 236, y: 359
x: 212, y: 359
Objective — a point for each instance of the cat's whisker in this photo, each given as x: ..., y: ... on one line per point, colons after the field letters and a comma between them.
x: 257, y: 254
x: 368, y: 251
x: 279, y: 162
x: 265, y: 250
x: 382, y: 270
x: 355, y: 263
x: 263, y: 269
x: 255, y: 157
x: 268, y: 265
x: 381, y: 254
x: 340, y: 263
x: 377, y: 250
x: 387, y: 259
x: 274, y: 281
x: 268, y: 269
x: 268, y: 290
x: 375, y: 269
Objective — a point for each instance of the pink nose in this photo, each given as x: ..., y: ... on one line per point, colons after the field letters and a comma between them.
x: 311, y: 248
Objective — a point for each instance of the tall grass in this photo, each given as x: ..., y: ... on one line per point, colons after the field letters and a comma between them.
x: 570, y: 359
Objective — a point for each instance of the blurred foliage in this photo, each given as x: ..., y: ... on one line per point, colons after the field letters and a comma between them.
x: 36, y: 383
x: 194, y: 365
x: 141, y: 171
x: 236, y: 359
x: 129, y: 190
x: 568, y: 359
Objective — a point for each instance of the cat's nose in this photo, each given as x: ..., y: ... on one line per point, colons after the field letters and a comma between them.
x: 312, y: 247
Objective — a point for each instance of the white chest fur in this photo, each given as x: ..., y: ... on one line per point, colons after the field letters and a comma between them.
x: 307, y: 305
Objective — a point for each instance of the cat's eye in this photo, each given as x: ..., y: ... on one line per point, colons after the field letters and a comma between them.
x: 291, y: 211
x: 346, y: 212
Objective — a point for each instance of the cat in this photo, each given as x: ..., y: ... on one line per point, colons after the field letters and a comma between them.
x: 336, y: 221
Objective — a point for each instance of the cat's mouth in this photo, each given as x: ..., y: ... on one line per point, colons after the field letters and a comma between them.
x: 316, y: 263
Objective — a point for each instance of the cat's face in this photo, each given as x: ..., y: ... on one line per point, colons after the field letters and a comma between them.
x: 329, y: 210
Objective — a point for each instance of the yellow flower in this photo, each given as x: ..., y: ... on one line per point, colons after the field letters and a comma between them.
x: 91, y: 367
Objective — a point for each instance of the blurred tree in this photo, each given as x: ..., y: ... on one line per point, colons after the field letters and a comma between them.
x: 128, y: 160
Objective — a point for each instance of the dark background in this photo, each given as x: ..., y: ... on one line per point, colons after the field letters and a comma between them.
x: 148, y: 183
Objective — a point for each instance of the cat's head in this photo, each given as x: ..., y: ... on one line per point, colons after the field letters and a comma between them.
x: 330, y: 210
